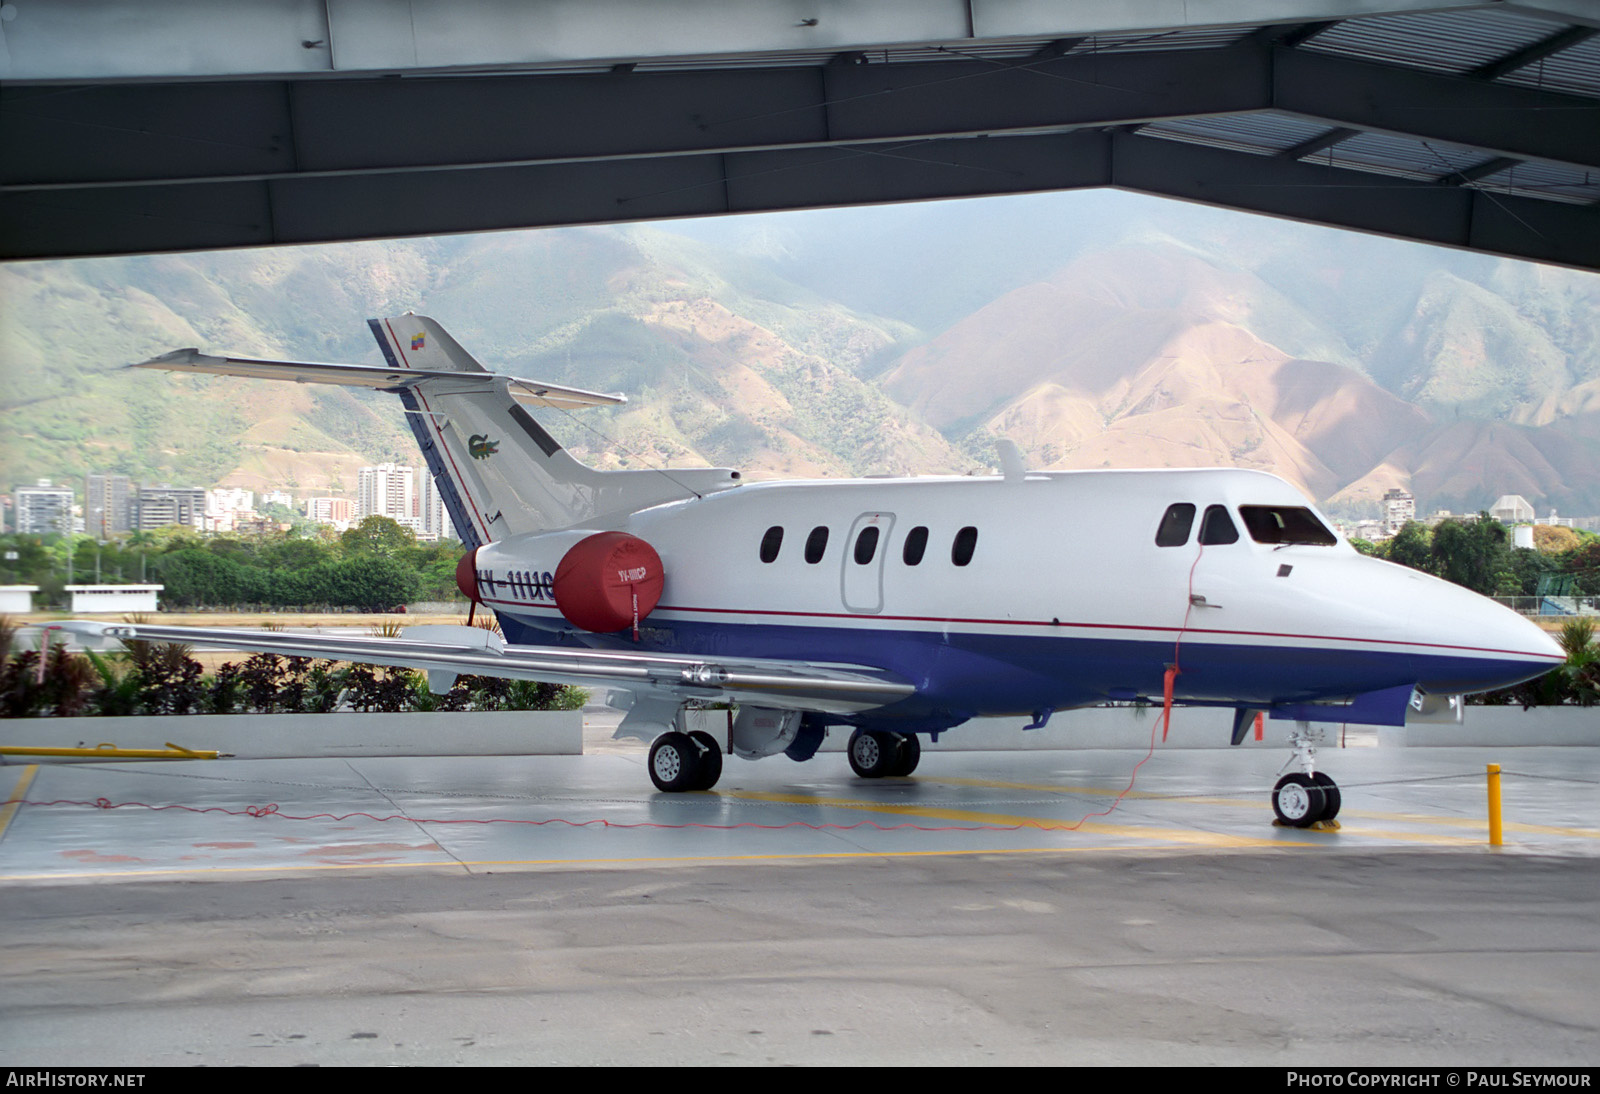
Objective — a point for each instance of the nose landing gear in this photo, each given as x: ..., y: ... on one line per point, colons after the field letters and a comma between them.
x: 1306, y: 798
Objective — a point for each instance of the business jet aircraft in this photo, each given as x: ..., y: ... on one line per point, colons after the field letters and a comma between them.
x: 893, y: 607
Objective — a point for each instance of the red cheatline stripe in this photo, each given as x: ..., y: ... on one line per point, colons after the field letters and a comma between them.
x: 774, y: 613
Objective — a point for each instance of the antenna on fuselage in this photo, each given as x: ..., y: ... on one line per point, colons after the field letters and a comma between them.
x: 1011, y: 465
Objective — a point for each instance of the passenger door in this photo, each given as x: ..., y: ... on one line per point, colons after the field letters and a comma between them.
x: 865, y: 551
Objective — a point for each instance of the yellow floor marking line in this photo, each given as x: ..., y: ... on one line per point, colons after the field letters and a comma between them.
x: 1057, y: 788
x: 1008, y: 820
x: 18, y: 792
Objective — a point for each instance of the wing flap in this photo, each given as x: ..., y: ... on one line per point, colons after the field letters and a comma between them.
x: 784, y: 685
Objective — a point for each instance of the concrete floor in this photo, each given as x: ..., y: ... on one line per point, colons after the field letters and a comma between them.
x: 558, y: 910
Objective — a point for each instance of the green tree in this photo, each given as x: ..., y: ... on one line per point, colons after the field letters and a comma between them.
x: 1412, y: 546
x: 376, y: 536
x: 373, y: 584
x: 1475, y: 554
x: 1583, y: 563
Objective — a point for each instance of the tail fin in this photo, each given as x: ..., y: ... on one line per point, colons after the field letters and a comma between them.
x: 499, y: 472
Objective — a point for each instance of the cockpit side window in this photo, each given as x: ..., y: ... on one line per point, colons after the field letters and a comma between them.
x: 1217, y: 528
x: 1282, y: 524
x: 1175, y: 525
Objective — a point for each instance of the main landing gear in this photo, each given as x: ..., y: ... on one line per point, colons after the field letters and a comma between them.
x: 685, y: 761
x: 1305, y: 797
x: 876, y: 753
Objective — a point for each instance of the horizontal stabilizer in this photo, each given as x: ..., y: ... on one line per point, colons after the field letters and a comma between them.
x: 528, y: 392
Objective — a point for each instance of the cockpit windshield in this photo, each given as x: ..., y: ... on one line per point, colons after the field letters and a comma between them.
x: 1283, y: 524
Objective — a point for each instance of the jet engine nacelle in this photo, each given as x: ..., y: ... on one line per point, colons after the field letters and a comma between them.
x: 600, y: 581
x: 759, y: 732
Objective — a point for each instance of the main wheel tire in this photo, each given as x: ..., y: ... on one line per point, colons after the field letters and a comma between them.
x: 1331, y: 797
x: 710, y: 760
x: 1298, y: 801
x: 873, y: 753
x: 675, y: 762
x: 910, y: 753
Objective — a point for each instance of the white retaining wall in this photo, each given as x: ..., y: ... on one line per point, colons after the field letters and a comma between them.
x: 560, y: 733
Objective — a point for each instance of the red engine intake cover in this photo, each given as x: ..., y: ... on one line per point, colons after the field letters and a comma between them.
x: 608, y: 582
x: 467, y: 576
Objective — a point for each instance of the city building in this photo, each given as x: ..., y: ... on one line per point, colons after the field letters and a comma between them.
x: 107, y: 505
x: 1554, y: 521
x: 435, y: 524
x: 334, y: 511
x: 253, y: 524
x: 1512, y: 509
x: 1399, y: 506
x: 17, y: 599
x: 387, y: 490
x: 42, y: 509
x: 159, y: 506
x: 114, y: 598
x: 227, y: 508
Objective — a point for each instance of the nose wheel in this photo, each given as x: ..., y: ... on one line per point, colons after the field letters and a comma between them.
x: 1306, y: 797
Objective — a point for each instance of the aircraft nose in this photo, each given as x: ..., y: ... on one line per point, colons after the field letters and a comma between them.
x: 1468, y: 643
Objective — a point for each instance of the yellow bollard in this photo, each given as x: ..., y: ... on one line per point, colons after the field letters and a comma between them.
x: 1494, y: 806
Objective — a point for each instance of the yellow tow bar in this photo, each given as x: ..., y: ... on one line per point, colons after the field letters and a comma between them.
x: 107, y: 751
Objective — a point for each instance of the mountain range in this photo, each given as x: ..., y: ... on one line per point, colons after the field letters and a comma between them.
x: 1097, y: 330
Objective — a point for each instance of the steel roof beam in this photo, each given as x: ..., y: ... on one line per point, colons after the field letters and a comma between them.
x: 303, y: 210
x: 1316, y: 144
x: 1516, y: 227
x: 1491, y: 166
x: 1504, y: 119
x: 62, y: 136
x: 1538, y: 51
x: 113, y: 135
x: 173, y: 39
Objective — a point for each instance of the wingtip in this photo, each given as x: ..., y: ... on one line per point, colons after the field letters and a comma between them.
x: 166, y: 360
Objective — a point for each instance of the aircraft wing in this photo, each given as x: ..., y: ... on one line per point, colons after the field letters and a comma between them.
x: 530, y: 392
x: 446, y: 651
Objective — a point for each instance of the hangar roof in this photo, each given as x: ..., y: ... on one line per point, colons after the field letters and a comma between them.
x: 1461, y: 122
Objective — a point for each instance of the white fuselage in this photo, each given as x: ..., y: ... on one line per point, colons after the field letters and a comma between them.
x: 1066, y: 597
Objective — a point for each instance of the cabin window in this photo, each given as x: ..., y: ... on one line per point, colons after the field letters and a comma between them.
x: 1217, y: 528
x: 771, y: 543
x: 1175, y: 525
x: 966, y: 542
x: 916, y: 544
x: 1282, y: 524
x: 816, y: 544
x: 866, y: 544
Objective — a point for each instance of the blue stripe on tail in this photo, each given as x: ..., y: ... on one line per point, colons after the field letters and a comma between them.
x: 466, y: 531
